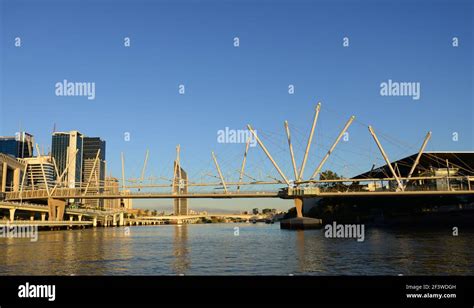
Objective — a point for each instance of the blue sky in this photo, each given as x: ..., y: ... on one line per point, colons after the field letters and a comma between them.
x: 281, y: 43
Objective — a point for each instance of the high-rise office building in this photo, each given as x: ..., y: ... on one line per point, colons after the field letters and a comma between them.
x: 66, y: 150
x: 90, y: 147
x: 95, y: 180
x: 19, y: 146
x: 180, y: 187
x: 126, y: 204
x: 111, y: 188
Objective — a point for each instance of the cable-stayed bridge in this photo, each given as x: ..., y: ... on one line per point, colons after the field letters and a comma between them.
x: 57, y: 194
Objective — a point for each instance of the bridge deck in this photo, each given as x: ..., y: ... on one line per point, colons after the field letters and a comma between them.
x: 38, y: 223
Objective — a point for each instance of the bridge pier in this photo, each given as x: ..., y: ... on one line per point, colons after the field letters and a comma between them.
x: 121, y: 219
x: 16, y: 179
x: 56, y: 209
x: 299, y: 207
x: 300, y: 222
x: 4, y: 177
x: 12, y: 215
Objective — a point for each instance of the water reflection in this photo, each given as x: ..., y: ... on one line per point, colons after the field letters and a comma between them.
x: 180, y: 249
x: 302, y: 264
x: 215, y: 250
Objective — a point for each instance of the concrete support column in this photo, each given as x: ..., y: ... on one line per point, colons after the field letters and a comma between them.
x: 16, y: 179
x: 32, y: 217
x: 71, y: 218
x: 299, y: 207
x: 4, y: 177
x: 114, y: 220
x: 121, y: 219
x: 43, y: 216
x: 94, y: 222
x: 79, y: 218
x: 12, y: 214
x: 105, y: 221
x: 56, y: 209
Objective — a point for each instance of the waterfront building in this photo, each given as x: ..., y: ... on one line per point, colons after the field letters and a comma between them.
x: 10, y: 173
x: 65, y: 147
x: 18, y: 146
x: 451, y: 174
x: 439, y: 164
x: 126, y: 203
x: 111, y: 187
x: 34, y: 178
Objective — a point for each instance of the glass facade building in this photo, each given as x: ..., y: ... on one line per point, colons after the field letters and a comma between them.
x: 95, y: 172
x: 66, y: 146
x: 90, y: 147
x: 19, y: 146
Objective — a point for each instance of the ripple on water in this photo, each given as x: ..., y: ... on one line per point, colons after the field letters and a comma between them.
x: 214, y: 249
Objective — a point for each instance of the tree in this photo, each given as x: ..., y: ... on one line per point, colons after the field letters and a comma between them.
x: 330, y: 175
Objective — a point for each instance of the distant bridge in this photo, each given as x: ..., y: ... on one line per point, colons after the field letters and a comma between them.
x: 106, y: 217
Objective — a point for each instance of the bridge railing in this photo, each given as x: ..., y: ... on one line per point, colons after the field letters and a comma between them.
x: 42, y: 193
x: 414, y: 184
x: 312, y: 187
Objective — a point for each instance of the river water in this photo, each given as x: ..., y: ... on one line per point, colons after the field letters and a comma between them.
x: 237, y: 249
